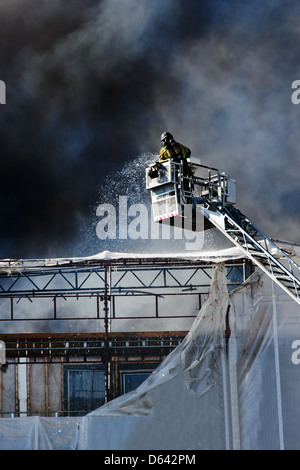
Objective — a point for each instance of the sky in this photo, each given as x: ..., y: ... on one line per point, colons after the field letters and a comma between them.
x: 90, y: 87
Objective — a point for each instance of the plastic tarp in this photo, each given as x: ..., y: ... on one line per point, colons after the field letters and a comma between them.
x: 264, y: 352
x: 37, y: 433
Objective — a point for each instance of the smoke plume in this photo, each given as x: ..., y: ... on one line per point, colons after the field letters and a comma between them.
x: 92, y: 85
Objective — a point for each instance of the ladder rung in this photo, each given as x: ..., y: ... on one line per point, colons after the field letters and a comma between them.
x: 285, y: 280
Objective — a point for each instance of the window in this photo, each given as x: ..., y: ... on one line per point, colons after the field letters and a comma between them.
x: 235, y: 275
x: 131, y: 380
x: 133, y: 375
x: 84, y: 387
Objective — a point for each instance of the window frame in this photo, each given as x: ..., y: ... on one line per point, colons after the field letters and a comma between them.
x: 66, y: 386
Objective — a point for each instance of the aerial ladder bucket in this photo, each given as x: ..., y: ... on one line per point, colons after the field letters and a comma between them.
x: 213, y: 193
x: 170, y: 189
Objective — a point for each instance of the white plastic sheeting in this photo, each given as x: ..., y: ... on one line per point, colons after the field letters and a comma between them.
x: 37, y: 433
x: 265, y: 346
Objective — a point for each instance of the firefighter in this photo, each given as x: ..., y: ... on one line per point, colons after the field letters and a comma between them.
x: 172, y: 149
x: 176, y: 151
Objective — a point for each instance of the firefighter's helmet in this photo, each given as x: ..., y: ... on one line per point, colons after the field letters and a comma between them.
x: 166, y: 137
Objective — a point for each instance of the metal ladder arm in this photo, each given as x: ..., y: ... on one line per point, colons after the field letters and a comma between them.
x: 257, y: 251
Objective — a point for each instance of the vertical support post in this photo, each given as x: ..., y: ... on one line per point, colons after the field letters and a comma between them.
x: 54, y: 308
x: 97, y: 307
x: 106, y: 299
x: 47, y: 386
x: 156, y: 306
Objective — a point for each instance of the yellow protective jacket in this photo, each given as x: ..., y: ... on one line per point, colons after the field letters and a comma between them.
x: 174, y: 150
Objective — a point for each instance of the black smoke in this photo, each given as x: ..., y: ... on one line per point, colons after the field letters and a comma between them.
x: 91, y: 85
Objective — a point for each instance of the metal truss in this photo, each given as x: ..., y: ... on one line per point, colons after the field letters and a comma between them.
x: 119, y: 277
x: 107, y: 283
